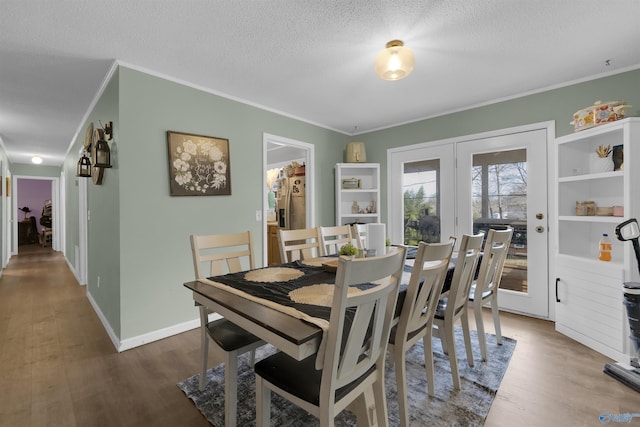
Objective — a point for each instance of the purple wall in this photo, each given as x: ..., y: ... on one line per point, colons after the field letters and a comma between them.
x: 33, y: 193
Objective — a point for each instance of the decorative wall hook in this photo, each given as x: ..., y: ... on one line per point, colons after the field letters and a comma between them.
x: 108, y: 130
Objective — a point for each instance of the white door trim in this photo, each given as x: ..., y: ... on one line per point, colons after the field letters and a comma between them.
x: 83, y: 232
x: 309, y: 183
x: 55, y: 202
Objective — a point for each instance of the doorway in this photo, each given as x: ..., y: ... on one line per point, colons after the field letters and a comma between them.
x: 278, y: 152
x: 472, y: 183
x: 34, y: 212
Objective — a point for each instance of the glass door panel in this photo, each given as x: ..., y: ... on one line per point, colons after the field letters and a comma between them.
x: 420, y: 209
x: 421, y: 188
x: 499, y: 200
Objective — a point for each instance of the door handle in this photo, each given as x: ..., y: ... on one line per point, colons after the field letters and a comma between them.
x: 557, y: 280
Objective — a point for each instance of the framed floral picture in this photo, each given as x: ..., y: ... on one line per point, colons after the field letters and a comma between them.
x: 198, y: 165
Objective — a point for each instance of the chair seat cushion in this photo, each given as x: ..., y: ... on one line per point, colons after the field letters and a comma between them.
x: 229, y: 336
x: 472, y: 293
x: 299, y: 378
x: 442, y: 307
x: 410, y: 335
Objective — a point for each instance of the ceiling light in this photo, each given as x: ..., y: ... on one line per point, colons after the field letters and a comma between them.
x: 36, y: 159
x: 395, y: 62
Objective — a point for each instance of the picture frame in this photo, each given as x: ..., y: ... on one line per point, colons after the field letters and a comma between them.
x: 199, y: 165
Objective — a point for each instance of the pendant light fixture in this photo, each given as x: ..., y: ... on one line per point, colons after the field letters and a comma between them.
x: 395, y: 62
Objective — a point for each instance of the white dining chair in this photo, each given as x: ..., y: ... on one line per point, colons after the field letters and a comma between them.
x: 353, y: 361
x: 299, y: 244
x: 453, y: 306
x: 333, y: 238
x: 221, y: 254
x: 416, y: 318
x: 485, y: 288
x: 359, y: 233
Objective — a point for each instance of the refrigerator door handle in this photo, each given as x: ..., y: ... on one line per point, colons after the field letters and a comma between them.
x: 287, y: 218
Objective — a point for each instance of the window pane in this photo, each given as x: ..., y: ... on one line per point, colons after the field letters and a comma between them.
x: 421, y: 188
x: 499, y: 199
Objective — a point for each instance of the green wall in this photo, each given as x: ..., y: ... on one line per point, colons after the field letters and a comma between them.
x: 138, y: 233
x: 558, y: 104
x: 35, y: 170
x: 103, y: 205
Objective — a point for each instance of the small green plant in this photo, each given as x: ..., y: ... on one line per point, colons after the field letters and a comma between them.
x: 387, y: 242
x: 348, y: 249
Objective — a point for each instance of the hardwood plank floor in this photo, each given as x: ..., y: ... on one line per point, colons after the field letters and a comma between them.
x: 59, y: 368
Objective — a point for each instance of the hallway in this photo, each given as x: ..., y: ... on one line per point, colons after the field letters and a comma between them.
x: 59, y: 367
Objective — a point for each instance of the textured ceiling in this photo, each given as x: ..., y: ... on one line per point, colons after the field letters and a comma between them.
x: 311, y: 60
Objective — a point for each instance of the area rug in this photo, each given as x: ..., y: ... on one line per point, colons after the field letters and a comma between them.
x: 467, y: 407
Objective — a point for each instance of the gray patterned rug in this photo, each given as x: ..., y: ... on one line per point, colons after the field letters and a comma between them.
x: 467, y: 407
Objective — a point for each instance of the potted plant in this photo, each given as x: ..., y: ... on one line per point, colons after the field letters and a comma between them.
x: 601, y: 160
x: 348, y: 250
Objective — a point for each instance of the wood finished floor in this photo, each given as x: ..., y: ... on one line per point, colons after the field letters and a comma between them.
x: 59, y: 368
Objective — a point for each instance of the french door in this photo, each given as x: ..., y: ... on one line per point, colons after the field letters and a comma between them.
x: 471, y: 184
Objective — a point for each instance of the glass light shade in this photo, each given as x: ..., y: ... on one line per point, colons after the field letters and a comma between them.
x: 84, y: 167
x: 355, y: 153
x: 103, y: 154
x: 395, y: 62
x: 36, y: 160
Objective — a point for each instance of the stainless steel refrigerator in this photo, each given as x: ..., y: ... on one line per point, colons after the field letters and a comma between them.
x: 291, y: 203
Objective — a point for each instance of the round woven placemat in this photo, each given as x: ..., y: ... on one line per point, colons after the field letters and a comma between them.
x: 275, y: 274
x: 321, y: 294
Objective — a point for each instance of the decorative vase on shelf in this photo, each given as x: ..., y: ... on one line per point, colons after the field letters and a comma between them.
x: 599, y: 164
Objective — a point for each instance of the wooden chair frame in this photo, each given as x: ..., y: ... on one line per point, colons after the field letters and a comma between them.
x: 357, y: 359
x: 485, y: 287
x: 334, y: 237
x: 359, y: 233
x: 454, y: 305
x: 299, y: 244
x: 416, y: 318
x: 211, y: 249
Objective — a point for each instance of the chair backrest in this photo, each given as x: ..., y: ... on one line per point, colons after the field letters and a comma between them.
x: 299, y: 244
x: 494, y: 255
x: 428, y: 274
x: 464, y: 272
x: 359, y: 233
x: 350, y: 355
x: 224, y: 253
x: 334, y: 237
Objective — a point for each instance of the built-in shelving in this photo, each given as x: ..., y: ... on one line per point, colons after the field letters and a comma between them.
x: 589, y: 291
x: 357, y: 183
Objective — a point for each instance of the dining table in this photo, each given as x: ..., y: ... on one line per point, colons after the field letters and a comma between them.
x: 287, y: 305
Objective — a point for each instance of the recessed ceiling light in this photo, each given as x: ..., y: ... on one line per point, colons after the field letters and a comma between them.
x: 36, y: 159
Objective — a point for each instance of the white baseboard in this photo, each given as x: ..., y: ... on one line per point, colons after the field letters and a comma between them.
x: 105, y: 323
x: 73, y: 270
x: 159, y: 334
x: 143, y: 339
